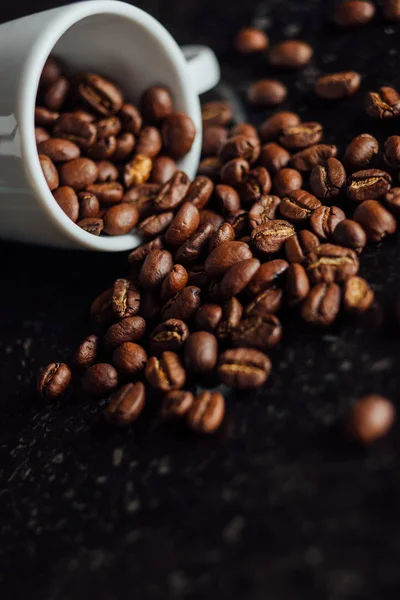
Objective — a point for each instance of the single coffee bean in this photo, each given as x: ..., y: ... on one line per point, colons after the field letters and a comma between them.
x: 307, y: 159
x: 50, y: 72
x: 329, y: 263
x: 93, y: 225
x: 107, y: 171
x: 271, y: 237
x: 271, y: 129
x: 391, y: 10
x: 149, y: 142
x: 49, y: 171
x: 227, y: 198
x: 200, y: 352
x: 225, y: 256
x: 54, y: 380
x: 298, y: 206
x: 184, y: 224
x: 139, y: 254
x: 240, y: 147
x: 130, y: 358
x: 246, y: 129
x: 176, y: 404
x: 157, y: 265
x: 360, y: 152
x: 327, y: 181
x: 59, y: 150
x: 384, y: 104
x: 155, y: 224
x: 250, y: 40
x: 301, y: 136
x: 178, y: 132
x: 232, y: 312
x: 174, y: 282
x: 56, y: 94
x: 131, y: 119
x: 78, y: 173
x: 130, y: 329
x: 101, y: 309
x: 392, y: 200
x: 290, y: 54
x: 297, y: 284
x: 67, y: 199
x: 300, y: 245
x: 138, y: 170
x: 207, y: 412
x: 263, y: 211
x: 125, y: 299
x: 163, y: 169
x: 269, y: 274
x: 86, y: 354
x: 261, y: 333
x: 216, y: 113
x: 273, y: 157
x: 142, y: 197
x: 89, y: 206
x: 234, y: 171
x: 165, y: 373
x: 369, y: 184
x: 125, y: 144
x: 41, y: 135
x: 243, y: 368
x: 195, y: 246
x: 240, y: 222
x: 126, y: 404
x: 353, y: 13
x: 184, y: 305
x: 392, y: 151
x: 103, y: 149
x: 237, y: 278
x: 265, y: 303
x: 199, y: 191
x: 111, y: 126
x: 214, y: 137
x: 44, y: 117
x: 172, y: 193
x: 337, y: 85
x: 370, y: 418
x: 322, y: 305
x: 169, y: 336
x: 208, y: 317
x: 120, y: 219
x: 351, y: 235
x: 376, y: 221
x: 255, y: 185
x: 99, y: 93
x: 267, y: 92
x: 357, y: 295
x: 107, y: 193
x: 325, y: 219
x: 286, y: 181
x: 100, y: 379
x: 71, y: 127
x: 156, y: 104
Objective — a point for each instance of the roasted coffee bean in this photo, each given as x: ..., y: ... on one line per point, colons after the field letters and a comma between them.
x: 126, y: 404
x: 111, y: 126
x: 271, y: 237
x: 78, y: 173
x: 41, y: 135
x: 142, y: 196
x: 130, y: 358
x: 297, y: 284
x: 392, y: 200
x: 376, y: 221
x: 156, y: 104
x: 200, y: 352
x: 391, y: 10
x: 242, y: 147
x: 49, y: 171
x: 165, y: 373
x: 237, y: 278
x: 99, y: 93
x: 214, y: 138
x: 322, y: 305
x: 266, y: 303
x: 89, y: 206
x: 301, y: 136
x: 59, y: 150
x: 44, y: 117
x: 351, y: 235
x: 232, y: 312
x: 67, y: 199
x: 224, y: 233
x: 357, y: 295
x: 360, y: 152
x: 207, y: 412
x: 172, y: 193
x: 234, y: 171
x: 130, y: 329
x: 195, y: 246
x: 120, y: 219
x: 50, y: 73
x: 103, y: 149
x: 271, y: 129
x: 369, y: 184
x: 370, y: 418
x: 216, y: 113
x: 184, y: 305
x: 329, y: 263
x: 150, y: 305
x: 56, y: 94
x: 138, y: 170
x: 325, y: 219
x: 174, y: 282
x: 125, y: 144
x: 225, y: 256
x: 149, y: 142
x: 125, y: 300
x: 110, y: 192
x: 178, y: 132
x: 255, y: 185
x: 208, y: 317
x: 298, y: 206
x: 290, y: 54
x: 263, y: 211
x: 71, y: 127
x: 184, y: 224
x: 227, y: 198
x: 269, y: 274
x: 239, y: 220
x: 54, y: 380
x: 337, y: 85
x: 100, y: 379
x: 155, y: 268
x: 298, y: 246
x: 131, y: 119
x: 101, y: 309
x: 176, y: 404
x: 267, y: 92
x: 140, y: 253
x: 286, y: 181
x: 250, y: 40
x: 307, y: 159
x: 246, y: 129
x: 163, y: 169
x: 353, y: 13
x: 169, y: 336
x: 198, y: 277
x: 156, y: 224
x: 199, y: 191
x: 107, y: 172
x: 392, y: 151
x: 93, y: 225
x: 261, y: 333
x: 86, y: 354
x: 327, y: 181
x: 384, y: 104
x: 243, y: 368
x: 273, y: 157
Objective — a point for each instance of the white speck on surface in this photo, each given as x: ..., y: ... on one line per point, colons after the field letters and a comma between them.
x: 132, y: 506
x: 233, y: 529
x: 58, y: 459
x: 101, y: 479
x: 346, y: 366
x: 118, y: 455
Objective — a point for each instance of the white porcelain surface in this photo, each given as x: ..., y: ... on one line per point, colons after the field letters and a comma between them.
x: 114, y: 39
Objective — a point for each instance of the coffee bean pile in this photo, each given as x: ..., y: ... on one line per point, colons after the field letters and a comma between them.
x: 96, y: 149
x: 259, y: 232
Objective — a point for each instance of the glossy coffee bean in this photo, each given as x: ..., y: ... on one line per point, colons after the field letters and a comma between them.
x: 267, y: 92
x: 100, y: 94
x: 142, y: 197
x: 322, y: 305
x: 269, y: 274
x: 165, y: 373
x: 207, y: 412
x: 78, y: 173
x: 360, y: 152
x: 130, y: 358
x: 243, y: 368
x: 301, y: 136
x: 86, y: 354
x: 353, y: 13
x: 100, y: 379
x: 337, y: 85
x: 183, y: 225
x: 131, y: 119
x: 93, y: 225
x: 271, y: 237
x: 384, y: 104
x: 232, y: 312
x: 89, y: 206
x: 234, y: 171
x: 50, y: 72
x: 273, y: 157
x: 138, y: 170
x: 74, y: 128
x: 172, y: 194
x: 54, y: 380
x: 375, y: 219
x: 239, y: 220
x: 124, y: 145
x: 155, y: 224
x: 240, y: 147
x: 300, y: 245
x: 250, y: 40
x: 59, y: 150
x: 325, y: 219
x: 216, y: 112
x: 110, y: 192
x: 178, y: 132
x: 271, y: 129
x: 126, y: 404
x: 225, y: 256
x: 56, y: 94
x: 350, y: 234
x: 169, y: 336
x: 368, y: 185
x: 307, y: 159
x: 208, y: 317
x: 370, y: 418
x: 44, y: 117
x: 193, y: 248
x: 157, y: 265
x: 237, y: 278
x: 227, y: 199
x: 41, y: 135
x: 149, y: 142
x: 260, y: 333
x: 298, y: 206
x: 174, y: 282
x: 255, y: 185
x: 286, y: 181
x: 290, y: 54
x: 264, y: 210
x: 200, y: 352
x: 297, y: 284
x: 392, y: 151
x: 176, y: 404
x: 329, y: 263
x: 327, y: 181
x: 120, y: 219
x: 163, y: 169
x: 267, y: 302
x: 139, y: 254
x: 110, y: 126
x: 214, y: 137
x: 184, y: 305
x: 246, y: 129
x: 156, y: 104
x: 49, y: 171
x: 357, y: 295
x: 130, y: 329
x: 392, y: 200
x: 125, y: 299
x: 199, y: 191
x: 67, y: 199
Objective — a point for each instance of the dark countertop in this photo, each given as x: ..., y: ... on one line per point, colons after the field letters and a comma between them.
x: 278, y: 504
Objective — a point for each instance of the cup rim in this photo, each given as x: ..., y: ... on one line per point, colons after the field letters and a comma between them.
x: 64, y: 18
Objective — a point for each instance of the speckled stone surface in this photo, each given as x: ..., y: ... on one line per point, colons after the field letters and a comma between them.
x: 277, y: 505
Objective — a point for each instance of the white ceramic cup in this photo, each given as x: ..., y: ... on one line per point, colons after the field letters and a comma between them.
x: 104, y: 36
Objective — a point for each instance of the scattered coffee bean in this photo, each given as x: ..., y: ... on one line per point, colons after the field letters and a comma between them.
x: 184, y: 224
x: 155, y: 224
x: 327, y: 181
x: 165, y: 373
x: 156, y: 104
x: 259, y: 332
x: 89, y: 206
x: 325, y: 219
x: 127, y: 404
x: 263, y: 211
x: 120, y: 219
x: 357, y: 295
x: 200, y: 352
x: 269, y: 274
x: 54, y: 380
x: 322, y: 305
x: 307, y: 159
x: 300, y: 245
x: 176, y: 404
x: 200, y: 191
x: 174, y: 282
x: 271, y: 237
x: 140, y: 253
x: 384, y: 104
x: 392, y: 151
x: 125, y: 300
x: 273, y: 157
x: 301, y: 136
x: 286, y: 181
x: 195, y: 246
x: 130, y: 329
x: 360, y: 152
x: 242, y: 147
x: 297, y: 284
x: 272, y: 128
x: 92, y: 225
x: 50, y: 72
x: 392, y: 200
x: 178, y: 132
x: 267, y: 92
x: 100, y: 379
x: 169, y: 336
x: 370, y: 418
x: 41, y: 135
x: 337, y: 85
x: 225, y: 256
x: 163, y: 169
x: 237, y: 278
x: 243, y: 368
x: 369, y: 184
x: 250, y: 40
x: 49, y: 172
x: 329, y: 263
x: 216, y: 113
x: 157, y: 265
x: 78, y: 173
x: 298, y: 206
x: 246, y: 129
x: 266, y: 303
x: 232, y: 312
x: 130, y: 358
x: 68, y: 201
x: 214, y: 138
x: 290, y: 54
x: 184, y: 305
x: 227, y: 198
x: 376, y: 221
x: 353, y: 13
x: 99, y: 93
x: 208, y: 317
x: 207, y: 412
x: 234, y: 171
x: 86, y: 354
x: 350, y: 234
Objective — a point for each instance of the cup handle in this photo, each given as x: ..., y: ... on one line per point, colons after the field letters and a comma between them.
x: 204, y: 67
